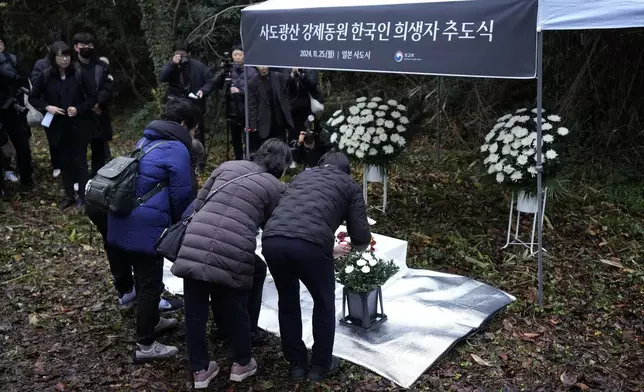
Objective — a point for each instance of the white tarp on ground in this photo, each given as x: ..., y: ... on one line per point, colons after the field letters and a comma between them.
x: 428, y: 312
x: 590, y: 14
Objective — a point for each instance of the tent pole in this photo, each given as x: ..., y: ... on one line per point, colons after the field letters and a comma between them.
x: 438, y: 122
x: 246, y: 133
x: 539, y: 167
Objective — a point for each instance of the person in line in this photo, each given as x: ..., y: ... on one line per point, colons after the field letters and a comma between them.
x: 103, y: 84
x: 39, y: 66
x: 301, y: 86
x: 68, y: 96
x: 13, y: 118
x: 186, y: 75
x: 124, y: 280
x: 269, y: 112
x: 218, y: 257
x: 132, y: 238
x: 298, y: 245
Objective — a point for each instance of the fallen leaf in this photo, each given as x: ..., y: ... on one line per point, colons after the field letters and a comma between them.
x: 480, y: 360
x: 60, y: 386
x: 583, y: 386
x: 504, y: 356
x: 531, y: 335
x: 507, y: 325
x: 86, y: 247
x: 616, y: 264
x: 568, y: 380
x: 97, y: 307
x: 33, y: 319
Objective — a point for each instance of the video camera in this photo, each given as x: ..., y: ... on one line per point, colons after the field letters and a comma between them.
x: 14, y: 102
x: 226, y: 66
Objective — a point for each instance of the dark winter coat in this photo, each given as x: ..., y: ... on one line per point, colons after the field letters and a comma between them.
x: 315, y: 205
x: 184, y: 79
x: 39, y: 67
x: 235, y: 104
x: 298, y: 89
x: 260, y: 111
x: 139, y: 231
x: 220, y: 242
x: 103, y: 86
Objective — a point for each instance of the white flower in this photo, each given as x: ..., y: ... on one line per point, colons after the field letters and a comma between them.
x: 484, y: 147
x: 361, y: 262
x: 337, y: 113
x: 389, y: 124
x: 493, y: 158
x: 535, y: 110
x: 508, y: 169
x: 523, y: 119
x: 311, y: 118
x: 529, y: 152
x: 375, y: 140
x: 517, y: 144
x: 554, y: 118
x: 522, y: 110
x: 388, y: 149
x: 368, y: 118
x: 349, y: 269
x: 394, y: 137
x: 383, y: 107
x: 551, y: 154
x: 351, y: 150
x: 354, y: 110
x: 546, y: 126
x: 373, y: 262
x: 365, y: 112
x: 337, y: 121
x: 348, y: 132
x: 380, y: 122
x: 365, y: 269
x: 516, y: 176
x: 505, y: 150
x: 376, y: 99
x: 360, y: 154
x: 372, y: 105
x: 392, y: 102
x: 514, y: 153
x: 361, y: 99
x: 330, y: 120
x: 499, y: 166
x: 497, y: 126
x: 526, y: 141
x: 401, y: 107
x: 491, y: 169
x: 532, y: 170
x: 364, y: 146
x: 522, y: 159
x: 361, y: 105
x: 490, y: 136
x: 395, y: 114
x: 493, y: 148
x: 562, y: 131
x: 366, y: 137
x: 519, y: 132
x: 512, y: 121
x: 334, y: 137
x: 401, y: 128
x: 401, y: 141
x: 504, y: 118
x: 371, y: 130
x: 383, y: 137
x: 380, y: 113
x: 404, y: 120
x: 380, y: 130
x: 373, y: 152
x: 500, y: 177
x: 548, y: 138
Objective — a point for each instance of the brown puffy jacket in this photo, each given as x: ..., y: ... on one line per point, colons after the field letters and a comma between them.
x: 220, y: 242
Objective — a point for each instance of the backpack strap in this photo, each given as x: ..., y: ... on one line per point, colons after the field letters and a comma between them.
x: 160, y: 186
x: 98, y: 76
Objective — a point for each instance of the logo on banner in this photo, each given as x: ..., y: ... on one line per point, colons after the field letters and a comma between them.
x: 399, y: 56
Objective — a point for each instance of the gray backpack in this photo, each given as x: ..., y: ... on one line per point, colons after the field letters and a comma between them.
x: 113, y: 189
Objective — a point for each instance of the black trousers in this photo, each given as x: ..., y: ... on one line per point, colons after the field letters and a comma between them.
x: 18, y: 131
x: 291, y: 260
x: 69, y: 143
x: 100, y: 154
x: 238, y: 137
x: 232, y: 305
x: 148, y: 272
x: 254, y: 297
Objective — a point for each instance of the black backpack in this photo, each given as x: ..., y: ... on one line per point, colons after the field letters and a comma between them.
x: 113, y: 189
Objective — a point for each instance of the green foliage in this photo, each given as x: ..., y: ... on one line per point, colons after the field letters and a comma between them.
x: 156, y: 24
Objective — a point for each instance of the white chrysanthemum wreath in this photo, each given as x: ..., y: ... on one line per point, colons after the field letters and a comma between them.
x: 510, y: 147
x: 372, y: 130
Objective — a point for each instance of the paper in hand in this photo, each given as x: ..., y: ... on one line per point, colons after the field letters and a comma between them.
x: 46, y: 121
x: 193, y: 96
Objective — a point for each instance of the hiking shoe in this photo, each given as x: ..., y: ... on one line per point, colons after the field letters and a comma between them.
x: 66, y: 203
x: 320, y: 373
x: 170, y: 305
x: 239, y: 373
x: 259, y: 337
x: 11, y: 176
x: 297, y: 372
x: 127, y: 300
x: 56, y: 173
x: 164, y: 325
x: 154, y: 352
x: 202, y: 378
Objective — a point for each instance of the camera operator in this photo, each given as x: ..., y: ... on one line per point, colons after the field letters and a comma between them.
x: 13, y: 113
x: 231, y: 77
x: 310, y: 146
x: 186, y: 76
x: 301, y: 87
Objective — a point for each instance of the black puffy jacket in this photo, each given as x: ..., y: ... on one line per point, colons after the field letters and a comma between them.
x: 315, y: 205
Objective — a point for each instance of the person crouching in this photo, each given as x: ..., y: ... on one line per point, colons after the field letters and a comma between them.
x: 218, y: 257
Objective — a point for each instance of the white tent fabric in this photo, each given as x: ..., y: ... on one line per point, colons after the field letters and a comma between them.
x: 590, y: 14
x: 292, y: 5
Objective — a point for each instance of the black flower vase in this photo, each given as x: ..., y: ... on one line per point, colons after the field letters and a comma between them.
x: 360, y: 310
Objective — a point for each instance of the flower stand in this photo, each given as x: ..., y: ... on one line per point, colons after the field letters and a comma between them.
x: 362, y: 309
x: 528, y: 205
x: 375, y: 174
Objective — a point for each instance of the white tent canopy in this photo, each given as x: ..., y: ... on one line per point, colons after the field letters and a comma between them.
x: 590, y: 14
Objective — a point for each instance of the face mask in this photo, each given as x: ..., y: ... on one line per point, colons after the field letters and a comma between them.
x: 87, y: 52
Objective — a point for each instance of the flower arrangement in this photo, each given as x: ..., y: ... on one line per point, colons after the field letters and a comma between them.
x: 373, y: 131
x: 510, y: 148
x: 363, y: 272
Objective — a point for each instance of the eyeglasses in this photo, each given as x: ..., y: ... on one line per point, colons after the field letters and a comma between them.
x: 63, y: 56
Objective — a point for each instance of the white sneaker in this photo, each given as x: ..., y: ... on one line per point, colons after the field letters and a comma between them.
x: 11, y: 176
x: 56, y: 173
x: 202, y: 378
x: 155, y: 352
x: 76, y: 187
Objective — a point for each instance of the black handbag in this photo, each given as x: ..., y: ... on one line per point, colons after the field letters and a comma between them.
x: 170, y: 241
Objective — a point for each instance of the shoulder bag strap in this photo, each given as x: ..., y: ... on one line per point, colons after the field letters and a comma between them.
x: 160, y: 186
x: 219, y: 188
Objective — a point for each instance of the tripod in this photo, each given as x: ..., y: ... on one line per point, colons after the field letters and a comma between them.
x: 224, y: 96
